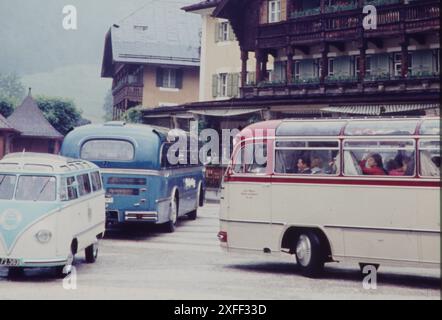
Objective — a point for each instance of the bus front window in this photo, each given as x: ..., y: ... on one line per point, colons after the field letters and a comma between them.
x: 7, y: 185
x: 36, y: 188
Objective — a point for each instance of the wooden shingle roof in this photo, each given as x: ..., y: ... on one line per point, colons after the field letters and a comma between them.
x: 30, y: 121
x: 5, y: 125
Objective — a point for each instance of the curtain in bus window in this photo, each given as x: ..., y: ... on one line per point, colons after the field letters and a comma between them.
x: 430, y: 158
x: 379, y: 158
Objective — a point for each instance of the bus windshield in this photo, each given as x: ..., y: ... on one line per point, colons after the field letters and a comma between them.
x: 36, y: 188
x: 108, y: 150
x: 7, y: 185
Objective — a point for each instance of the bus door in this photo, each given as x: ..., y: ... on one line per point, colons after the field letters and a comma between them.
x: 249, y: 192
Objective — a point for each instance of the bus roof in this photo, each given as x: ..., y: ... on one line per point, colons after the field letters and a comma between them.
x: 146, y: 140
x: 28, y: 162
x: 347, y: 127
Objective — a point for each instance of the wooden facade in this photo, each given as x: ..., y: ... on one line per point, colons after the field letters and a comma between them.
x: 406, y: 32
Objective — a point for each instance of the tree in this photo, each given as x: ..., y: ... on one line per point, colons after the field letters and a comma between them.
x: 108, y: 106
x: 62, y: 114
x: 133, y: 115
x: 11, y: 88
x: 6, y: 107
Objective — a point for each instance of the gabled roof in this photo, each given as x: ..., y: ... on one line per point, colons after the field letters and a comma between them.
x: 156, y: 34
x: 201, y: 5
x: 30, y: 121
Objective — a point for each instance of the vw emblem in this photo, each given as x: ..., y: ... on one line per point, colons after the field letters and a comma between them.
x: 10, y: 219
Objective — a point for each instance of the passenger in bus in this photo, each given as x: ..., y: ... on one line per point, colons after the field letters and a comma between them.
x: 304, y: 165
x: 317, y: 166
x: 403, y: 166
x: 373, y: 165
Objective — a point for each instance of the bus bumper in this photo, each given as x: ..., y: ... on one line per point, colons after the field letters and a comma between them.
x: 25, y: 263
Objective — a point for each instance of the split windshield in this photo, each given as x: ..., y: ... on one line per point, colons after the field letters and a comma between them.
x: 29, y: 188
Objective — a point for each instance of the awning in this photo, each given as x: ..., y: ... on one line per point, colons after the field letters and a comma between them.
x: 224, y: 113
x: 377, y: 110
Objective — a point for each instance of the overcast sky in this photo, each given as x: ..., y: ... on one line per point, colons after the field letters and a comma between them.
x: 56, y: 62
x: 33, y: 39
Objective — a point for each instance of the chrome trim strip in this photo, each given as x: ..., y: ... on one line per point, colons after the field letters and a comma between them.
x: 382, y: 229
x: 253, y: 221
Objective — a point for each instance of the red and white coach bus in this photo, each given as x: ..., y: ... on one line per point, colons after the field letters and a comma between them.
x: 365, y: 190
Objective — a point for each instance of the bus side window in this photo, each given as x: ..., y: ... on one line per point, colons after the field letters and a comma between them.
x: 379, y: 158
x: 429, y: 158
x: 307, y: 157
x: 72, y: 192
x: 252, y: 158
x: 84, y: 185
x: 96, y: 181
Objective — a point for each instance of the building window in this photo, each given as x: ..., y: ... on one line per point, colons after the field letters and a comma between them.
x: 222, y: 85
x: 274, y: 11
x: 224, y: 31
x: 331, y: 67
x: 297, y: 73
x: 397, y: 64
x: 225, y: 85
x: 169, y: 78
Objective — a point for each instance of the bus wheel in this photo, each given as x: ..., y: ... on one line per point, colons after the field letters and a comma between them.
x: 91, y: 253
x: 309, y: 255
x: 15, y: 273
x: 170, y: 226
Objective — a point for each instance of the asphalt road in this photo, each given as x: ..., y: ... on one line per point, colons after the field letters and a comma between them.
x: 148, y: 264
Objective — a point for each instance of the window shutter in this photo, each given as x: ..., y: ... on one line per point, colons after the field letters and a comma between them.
x: 217, y: 32
x: 159, y: 77
x: 236, y: 77
x: 179, y: 79
x: 264, y: 12
x: 230, y: 89
x: 215, y: 85
x: 232, y: 36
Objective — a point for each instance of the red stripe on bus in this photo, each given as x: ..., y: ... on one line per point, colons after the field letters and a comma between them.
x: 338, y: 181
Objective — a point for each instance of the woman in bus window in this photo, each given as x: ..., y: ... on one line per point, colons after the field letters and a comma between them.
x: 373, y: 165
x: 403, y: 167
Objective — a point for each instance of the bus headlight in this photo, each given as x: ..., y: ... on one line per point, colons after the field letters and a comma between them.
x: 44, y: 236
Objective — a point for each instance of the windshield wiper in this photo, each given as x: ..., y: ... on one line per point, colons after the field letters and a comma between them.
x: 43, y: 189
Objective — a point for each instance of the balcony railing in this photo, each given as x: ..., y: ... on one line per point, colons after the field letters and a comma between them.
x: 338, y: 85
x: 131, y: 92
x: 309, y: 26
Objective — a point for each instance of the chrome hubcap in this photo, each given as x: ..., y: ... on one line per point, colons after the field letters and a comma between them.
x: 304, y: 250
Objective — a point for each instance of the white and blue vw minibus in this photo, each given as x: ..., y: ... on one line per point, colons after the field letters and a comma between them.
x: 51, y: 208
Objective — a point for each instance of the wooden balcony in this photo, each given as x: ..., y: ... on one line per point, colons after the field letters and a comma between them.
x: 394, y: 19
x: 372, y: 85
x: 129, y: 92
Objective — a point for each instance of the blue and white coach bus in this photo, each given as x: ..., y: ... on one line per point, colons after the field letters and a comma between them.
x: 141, y: 185
x: 51, y: 208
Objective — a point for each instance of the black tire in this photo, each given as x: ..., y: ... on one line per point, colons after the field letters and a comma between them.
x: 91, y: 253
x: 171, y: 225
x: 193, y: 215
x: 309, y: 254
x: 15, y: 273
